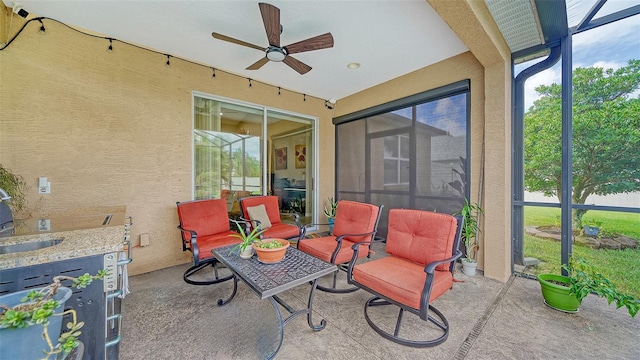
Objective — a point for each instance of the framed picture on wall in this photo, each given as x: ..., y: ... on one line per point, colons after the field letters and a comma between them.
x: 301, y: 156
x: 281, y: 158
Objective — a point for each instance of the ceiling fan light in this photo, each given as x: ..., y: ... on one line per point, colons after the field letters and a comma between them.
x: 275, y: 54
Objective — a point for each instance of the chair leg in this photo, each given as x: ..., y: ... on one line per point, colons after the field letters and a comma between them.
x: 194, y: 269
x: 334, y: 289
x: 441, y: 323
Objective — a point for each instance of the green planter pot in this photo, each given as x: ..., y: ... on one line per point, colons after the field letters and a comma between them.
x: 557, y: 296
x: 27, y: 343
x: 331, y: 221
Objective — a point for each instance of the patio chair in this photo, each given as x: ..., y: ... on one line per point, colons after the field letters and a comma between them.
x: 422, y: 248
x: 355, y: 222
x: 204, y: 226
x: 263, y: 211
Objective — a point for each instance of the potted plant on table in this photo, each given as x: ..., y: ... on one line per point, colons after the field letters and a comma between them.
x: 271, y: 250
x: 470, y: 230
x: 330, y: 211
x: 247, y: 239
x: 31, y: 320
x: 565, y: 293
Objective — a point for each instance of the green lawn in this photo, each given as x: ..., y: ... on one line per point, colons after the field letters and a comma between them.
x: 622, y: 267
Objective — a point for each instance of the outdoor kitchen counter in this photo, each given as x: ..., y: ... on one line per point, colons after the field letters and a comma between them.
x: 84, y: 232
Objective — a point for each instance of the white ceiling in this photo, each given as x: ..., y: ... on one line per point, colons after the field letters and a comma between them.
x: 388, y: 38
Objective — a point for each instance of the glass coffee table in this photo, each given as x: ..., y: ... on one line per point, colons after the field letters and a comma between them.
x: 269, y: 280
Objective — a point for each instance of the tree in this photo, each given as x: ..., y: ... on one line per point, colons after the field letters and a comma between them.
x: 606, y: 135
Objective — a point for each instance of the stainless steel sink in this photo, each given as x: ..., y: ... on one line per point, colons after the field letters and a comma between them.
x: 28, y: 246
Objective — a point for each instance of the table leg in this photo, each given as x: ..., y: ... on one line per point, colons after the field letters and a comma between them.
x: 323, y: 322
x: 281, y: 325
x: 222, y: 302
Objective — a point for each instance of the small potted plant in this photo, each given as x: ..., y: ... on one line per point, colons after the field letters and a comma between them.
x: 31, y: 320
x: 565, y: 293
x: 330, y: 211
x: 248, y: 238
x: 271, y: 250
x: 470, y: 230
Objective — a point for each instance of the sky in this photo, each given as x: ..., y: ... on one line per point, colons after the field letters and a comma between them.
x: 608, y: 46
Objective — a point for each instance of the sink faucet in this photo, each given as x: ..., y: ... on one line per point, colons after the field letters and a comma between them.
x: 3, y: 195
x: 6, y: 217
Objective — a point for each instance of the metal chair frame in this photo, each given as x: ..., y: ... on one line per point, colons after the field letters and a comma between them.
x: 195, y: 254
x: 344, y: 266
x: 425, y: 307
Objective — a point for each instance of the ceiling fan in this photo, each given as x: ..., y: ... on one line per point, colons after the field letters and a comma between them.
x: 275, y: 52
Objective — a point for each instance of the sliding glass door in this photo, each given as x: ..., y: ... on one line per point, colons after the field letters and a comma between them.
x: 232, y: 159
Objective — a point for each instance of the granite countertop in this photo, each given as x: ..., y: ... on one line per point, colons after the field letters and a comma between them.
x: 84, y: 232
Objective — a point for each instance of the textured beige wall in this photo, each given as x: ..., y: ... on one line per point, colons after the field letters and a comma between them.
x: 115, y: 129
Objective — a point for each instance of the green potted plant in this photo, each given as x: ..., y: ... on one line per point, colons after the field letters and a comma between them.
x: 565, y: 293
x: 247, y: 238
x: 330, y: 211
x: 31, y: 320
x: 470, y: 230
x: 271, y: 250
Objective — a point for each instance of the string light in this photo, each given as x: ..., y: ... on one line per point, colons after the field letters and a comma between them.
x: 42, y: 29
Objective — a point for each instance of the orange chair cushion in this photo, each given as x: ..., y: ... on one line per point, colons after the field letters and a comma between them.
x: 421, y: 236
x: 270, y: 203
x: 210, y: 242
x: 323, y: 248
x: 355, y: 218
x: 401, y: 280
x: 281, y: 231
x: 205, y: 217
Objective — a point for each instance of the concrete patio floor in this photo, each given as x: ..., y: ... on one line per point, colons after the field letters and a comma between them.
x: 165, y: 318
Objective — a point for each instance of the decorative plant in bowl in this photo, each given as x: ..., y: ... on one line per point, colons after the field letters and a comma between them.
x: 271, y: 250
x: 247, y: 238
x: 470, y: 230
x: 330, y: 211
x: 565, y: 293
x: 23, y: 311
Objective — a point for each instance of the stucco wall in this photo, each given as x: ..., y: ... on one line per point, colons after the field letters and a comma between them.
x: 115, y: 129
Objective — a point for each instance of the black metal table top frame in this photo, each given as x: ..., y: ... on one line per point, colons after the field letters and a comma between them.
x: 268, y: 280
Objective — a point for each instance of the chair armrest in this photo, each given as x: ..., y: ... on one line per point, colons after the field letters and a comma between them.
x: 432, y: 265
x: 191, y: 232
x: 296, y: 217
x: 246, y: 223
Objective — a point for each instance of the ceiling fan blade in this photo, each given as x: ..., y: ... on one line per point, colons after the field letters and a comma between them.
x: 315, y: 43
x: 271, y: 20
x: 297, y: 65
x: 236, y: 41
x: 258, y: 64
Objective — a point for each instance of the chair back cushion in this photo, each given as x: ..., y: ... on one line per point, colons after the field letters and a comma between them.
x: 421, y: 236
x: 270, y: 203
x: 355, y: 218
x: 205, y: 217
x: 259, y: 213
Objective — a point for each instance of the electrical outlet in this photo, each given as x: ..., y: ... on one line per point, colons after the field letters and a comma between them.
x: 44, y: 225
x: 44, y: 186
x: 144, y: 239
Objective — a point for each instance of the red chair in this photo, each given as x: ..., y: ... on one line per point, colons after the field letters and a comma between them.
x: 422, y: 246
x: 355, y: 222
x: 263, y: 211
x: 204, y: 226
